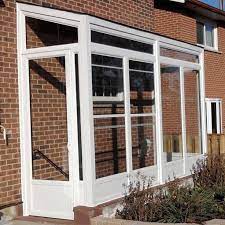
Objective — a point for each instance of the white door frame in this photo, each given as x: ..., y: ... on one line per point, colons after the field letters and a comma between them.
x: 25, y: 123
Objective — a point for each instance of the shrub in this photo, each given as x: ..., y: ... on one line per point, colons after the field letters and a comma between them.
x: 177, y: 202
x: 209, y: 172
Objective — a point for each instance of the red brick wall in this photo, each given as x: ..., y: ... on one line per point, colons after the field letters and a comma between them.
x: 133, y: 13
x: 175, y: 22
x: 9, y: 110
x: 214, y: 70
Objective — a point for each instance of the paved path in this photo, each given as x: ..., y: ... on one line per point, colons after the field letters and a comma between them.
x: 18, y: 222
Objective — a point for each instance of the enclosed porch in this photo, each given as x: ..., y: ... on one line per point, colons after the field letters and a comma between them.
x: 100, y: 102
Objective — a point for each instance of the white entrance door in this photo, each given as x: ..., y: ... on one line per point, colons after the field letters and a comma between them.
x: 49, y: 122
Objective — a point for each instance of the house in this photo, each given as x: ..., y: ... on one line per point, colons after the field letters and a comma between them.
x: 93, y: 92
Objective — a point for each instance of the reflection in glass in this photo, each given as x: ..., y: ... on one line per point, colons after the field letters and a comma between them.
x: 141, y: 87
x: 209, y: 35
x: 107, y: 85
x: 175, y: 54
x: 107, y: 39
x: 110, y: 146
x: 171, y: 113
x: 40, y: 33
x: 143, y: 142
x: 192, y: 111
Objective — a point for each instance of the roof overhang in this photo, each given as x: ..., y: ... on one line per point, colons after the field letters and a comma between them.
x: 204, y: 9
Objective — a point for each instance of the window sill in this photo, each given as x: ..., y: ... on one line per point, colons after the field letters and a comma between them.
x: 210, y: 49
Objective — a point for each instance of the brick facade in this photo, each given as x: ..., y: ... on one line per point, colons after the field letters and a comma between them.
x: 173, y: 21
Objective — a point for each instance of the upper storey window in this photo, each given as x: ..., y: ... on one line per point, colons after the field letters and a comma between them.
x: 207, y: 34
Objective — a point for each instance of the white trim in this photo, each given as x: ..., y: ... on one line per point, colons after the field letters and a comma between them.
x: 24, y: 173
x: 33, y: 51
x: 120, y: 52
x: 129, y: 164
x: 218, y: 102
x: 86, y: 106
x: 179, y: 63
x: 158, y: 112
x: 57, y: 16
x: 183, y: 118
x: 202, y: 104
x: 118, y: 30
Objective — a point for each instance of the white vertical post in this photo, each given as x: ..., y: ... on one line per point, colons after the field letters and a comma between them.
x: 86, y: 109
x: 127, y: 115
x: 183, y: 119
x: 72, y: 124
x: 23, y: 86
x: 158, y: 113
x: 202, y: 102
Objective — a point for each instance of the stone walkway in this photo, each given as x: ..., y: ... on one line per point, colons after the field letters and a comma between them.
x: 18, y: 222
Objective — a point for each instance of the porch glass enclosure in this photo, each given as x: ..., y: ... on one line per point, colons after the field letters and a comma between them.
x: 139, y: 103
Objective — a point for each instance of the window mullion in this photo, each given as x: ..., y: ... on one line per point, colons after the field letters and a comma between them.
x: 158, y: 113
x: 183, y: 118
x: 127, y: 115
x: 204, y: 35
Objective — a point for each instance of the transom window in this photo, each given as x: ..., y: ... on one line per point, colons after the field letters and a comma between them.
x: 120, y: 42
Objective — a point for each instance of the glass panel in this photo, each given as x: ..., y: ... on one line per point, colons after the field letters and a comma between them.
x: 192, y: 111
x: 107, y: 85
x: 214, y: 117
x: 200, y: 33
x: 110, y: 146
x: 143, y: 142
x: 120, y: 42
x: 40, y: 33
x: 171, y: 53
x: 78, y: 118
x: 171, y: 113
x: 49, y: 118
x: 209, y: 35
x: 141, y: 87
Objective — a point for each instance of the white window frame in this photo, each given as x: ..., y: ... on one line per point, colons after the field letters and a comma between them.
x: 219, y: 123
x: 215, y: 34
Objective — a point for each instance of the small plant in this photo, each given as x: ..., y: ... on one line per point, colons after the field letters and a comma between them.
x: 177, y: 202
x: 209, y: 172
